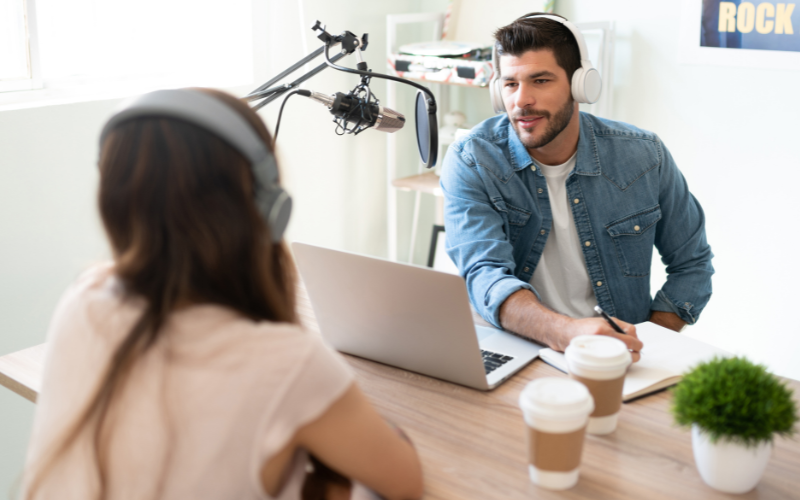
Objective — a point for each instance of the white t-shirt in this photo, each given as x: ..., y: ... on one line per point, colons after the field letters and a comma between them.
x: 561, y: 277
x: 202, y: 410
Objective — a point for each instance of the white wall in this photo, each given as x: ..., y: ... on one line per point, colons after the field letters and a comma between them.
x: 49, y: 233
x: 733, y: 133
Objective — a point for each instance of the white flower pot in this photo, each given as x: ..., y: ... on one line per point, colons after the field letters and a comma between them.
x: 729, y: 466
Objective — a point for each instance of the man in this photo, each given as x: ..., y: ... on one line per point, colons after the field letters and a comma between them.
x: 550, y: 211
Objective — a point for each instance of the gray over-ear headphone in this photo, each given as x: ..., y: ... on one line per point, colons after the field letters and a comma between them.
x: 216, y: 117
x: 586, y: 81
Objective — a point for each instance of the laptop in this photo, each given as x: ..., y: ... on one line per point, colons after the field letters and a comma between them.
x: 411, y: 317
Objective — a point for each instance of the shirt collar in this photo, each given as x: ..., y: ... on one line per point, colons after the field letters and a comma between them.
x: 588, y: 162
x: 520, y: 158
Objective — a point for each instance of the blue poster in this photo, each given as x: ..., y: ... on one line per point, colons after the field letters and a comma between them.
x: 736, y: 24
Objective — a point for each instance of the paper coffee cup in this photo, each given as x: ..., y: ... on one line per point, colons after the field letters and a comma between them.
x: 600, y: 363
x: 556, y: 412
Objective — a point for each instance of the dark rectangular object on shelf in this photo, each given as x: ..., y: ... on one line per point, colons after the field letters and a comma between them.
x: 465, y: 72
x: 402, y: 66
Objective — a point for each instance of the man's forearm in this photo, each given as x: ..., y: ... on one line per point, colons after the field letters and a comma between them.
x: 523, y: 314
x: 667, y: 320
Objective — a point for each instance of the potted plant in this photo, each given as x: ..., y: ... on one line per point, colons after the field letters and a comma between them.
x: 735, y: 408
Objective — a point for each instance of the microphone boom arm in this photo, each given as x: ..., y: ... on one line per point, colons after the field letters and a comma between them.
x: 266, y: 93
x: 427, y: 131
x: 350, y: 43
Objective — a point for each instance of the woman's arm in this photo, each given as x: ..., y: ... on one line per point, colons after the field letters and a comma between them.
x: 354, y: 440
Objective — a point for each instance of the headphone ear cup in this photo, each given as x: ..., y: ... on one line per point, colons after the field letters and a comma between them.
x: 578, y: 85
x: 592, y: 85
x: 275, y: 206
x: 586, y: 85
x: 496, y: 96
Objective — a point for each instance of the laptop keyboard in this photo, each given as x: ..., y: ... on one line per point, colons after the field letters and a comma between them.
x: 493, y: 360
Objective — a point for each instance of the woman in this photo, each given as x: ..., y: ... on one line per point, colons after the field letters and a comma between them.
x: 179, y: 370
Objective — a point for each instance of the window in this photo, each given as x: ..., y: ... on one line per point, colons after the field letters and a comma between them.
x: 18, y: 70
x: 159, y: 42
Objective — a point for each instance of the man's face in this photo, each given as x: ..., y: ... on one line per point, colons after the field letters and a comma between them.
x: 537, y: 96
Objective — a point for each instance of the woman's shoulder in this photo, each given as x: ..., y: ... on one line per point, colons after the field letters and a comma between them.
x: 90, y: 279
x: 92, y: 298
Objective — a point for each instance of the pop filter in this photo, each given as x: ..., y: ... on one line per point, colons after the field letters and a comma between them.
x: 427, y: 130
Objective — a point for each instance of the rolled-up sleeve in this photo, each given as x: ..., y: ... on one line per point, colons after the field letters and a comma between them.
x: 681, y: 241
x: 475, y: 237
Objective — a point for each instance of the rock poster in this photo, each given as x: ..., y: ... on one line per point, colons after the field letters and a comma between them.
x: 750, y: 25
x: 740, y: 33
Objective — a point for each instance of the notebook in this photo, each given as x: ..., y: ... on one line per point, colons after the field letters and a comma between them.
x: 665, y: 357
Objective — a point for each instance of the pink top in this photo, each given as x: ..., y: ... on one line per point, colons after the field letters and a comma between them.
x: 203, y: 409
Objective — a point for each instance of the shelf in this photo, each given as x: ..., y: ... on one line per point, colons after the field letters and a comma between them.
x: 427, y: 182
x: 423, y: 80
x: 446, y: 70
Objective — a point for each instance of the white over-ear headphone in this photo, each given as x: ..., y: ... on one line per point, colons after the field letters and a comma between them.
x: 586, y: 81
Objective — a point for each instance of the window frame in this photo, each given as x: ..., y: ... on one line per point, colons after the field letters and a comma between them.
x: 34, y: 79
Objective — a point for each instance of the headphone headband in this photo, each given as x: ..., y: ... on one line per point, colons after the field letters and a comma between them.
x: 575, y: 32
x: 215, y: 116
x: 197, y: 108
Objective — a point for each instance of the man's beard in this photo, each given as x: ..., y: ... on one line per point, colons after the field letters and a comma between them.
x: 555, y: 127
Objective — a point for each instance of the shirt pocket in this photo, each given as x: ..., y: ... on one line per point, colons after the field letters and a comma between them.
x: 517, y: 217
x: 634, y: 236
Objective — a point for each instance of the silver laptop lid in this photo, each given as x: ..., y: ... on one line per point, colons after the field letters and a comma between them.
x: 411, y: 317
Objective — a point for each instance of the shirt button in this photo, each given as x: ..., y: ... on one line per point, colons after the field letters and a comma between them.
x: 540, y: 190
x: 599, y: 283
x: 687, y: 304
x: 526, y: 269
x: 636, y: 228
x: 542, y: 231
x: 533, y: 167
x: 588, y: 243
x: 576, y: 201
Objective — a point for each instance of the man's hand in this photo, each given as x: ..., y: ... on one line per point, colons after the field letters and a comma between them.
x: 599, y: 326
x: 523, y: 314
x: 667, y: 320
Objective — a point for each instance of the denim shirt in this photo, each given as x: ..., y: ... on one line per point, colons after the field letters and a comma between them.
x: 626, y: 194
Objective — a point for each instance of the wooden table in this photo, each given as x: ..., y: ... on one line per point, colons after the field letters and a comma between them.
x: 472, y: 443
x: 21, y: 371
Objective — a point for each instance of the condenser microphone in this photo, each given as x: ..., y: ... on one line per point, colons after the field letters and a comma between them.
x: 358, y: 112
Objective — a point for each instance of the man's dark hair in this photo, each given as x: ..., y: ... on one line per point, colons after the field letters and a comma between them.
x: 539, y: 33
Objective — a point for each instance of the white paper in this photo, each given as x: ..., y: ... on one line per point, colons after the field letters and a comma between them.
x: 666, y: 354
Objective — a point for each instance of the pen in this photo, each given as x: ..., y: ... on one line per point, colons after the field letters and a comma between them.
x: 611, y: 322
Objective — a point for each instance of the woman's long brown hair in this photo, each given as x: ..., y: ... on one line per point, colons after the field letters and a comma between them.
x: 177, y: 204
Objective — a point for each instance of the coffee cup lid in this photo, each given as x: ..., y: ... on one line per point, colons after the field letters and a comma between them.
x: 598, y: 352
x: 560, y: 398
